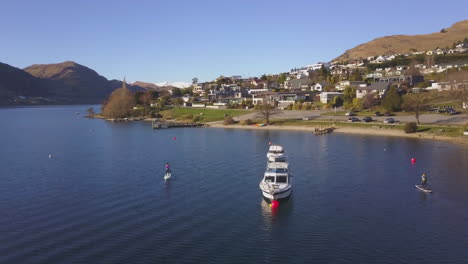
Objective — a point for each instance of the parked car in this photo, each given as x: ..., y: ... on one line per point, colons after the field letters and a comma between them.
x: 387, y: 114
x: 389, y: 120
x: 350, y: 113
x: 367, y: 119
x: 353, y: 119
x: 377, y: 113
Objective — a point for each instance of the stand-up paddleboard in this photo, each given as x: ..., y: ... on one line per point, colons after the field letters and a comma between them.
x: 423, y: 189
x: 167, y: 176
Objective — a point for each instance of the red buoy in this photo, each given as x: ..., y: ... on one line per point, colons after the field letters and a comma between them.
x: 274, y: 204
x: 413, y: 160
x: 174, y: 138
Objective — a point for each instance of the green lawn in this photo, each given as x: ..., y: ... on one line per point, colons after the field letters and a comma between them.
x: 206, y: 115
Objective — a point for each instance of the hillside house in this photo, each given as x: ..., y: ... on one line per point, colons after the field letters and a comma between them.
x: 378, y: 89
x: 319, y: 86
x: 298, y: 84
x: 343, y: 84
x: 326, y: 97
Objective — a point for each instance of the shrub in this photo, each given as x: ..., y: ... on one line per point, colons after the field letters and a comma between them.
x: 246, y: 122
x: 228, y: 120
x: 197, y: 119
x: 410, y: 127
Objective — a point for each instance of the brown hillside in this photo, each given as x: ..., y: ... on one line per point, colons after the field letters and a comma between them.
x: 403, y: 43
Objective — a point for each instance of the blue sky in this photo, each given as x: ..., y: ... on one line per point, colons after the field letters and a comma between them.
x: 176, y: 40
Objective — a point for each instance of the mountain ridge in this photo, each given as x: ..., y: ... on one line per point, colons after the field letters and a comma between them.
x: 62, y: 83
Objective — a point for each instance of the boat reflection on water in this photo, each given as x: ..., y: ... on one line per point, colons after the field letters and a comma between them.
x: 276, y: 215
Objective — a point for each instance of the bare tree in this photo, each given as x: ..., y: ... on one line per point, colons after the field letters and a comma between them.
x: 459, y: 81
x: 416, y: 103
x: 370, y: 100
x: 267, y: 110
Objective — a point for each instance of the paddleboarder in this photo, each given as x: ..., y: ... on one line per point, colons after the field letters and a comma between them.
x: 424, y: 180
x: 168, y: 168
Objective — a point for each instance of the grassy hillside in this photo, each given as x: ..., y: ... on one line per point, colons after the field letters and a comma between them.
x: 403, y: 43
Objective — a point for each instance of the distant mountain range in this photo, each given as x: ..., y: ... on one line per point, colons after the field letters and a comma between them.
x: 61, y: 83
x: 403, y: 43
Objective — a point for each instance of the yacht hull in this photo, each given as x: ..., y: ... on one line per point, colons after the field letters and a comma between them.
x: 278, y: 194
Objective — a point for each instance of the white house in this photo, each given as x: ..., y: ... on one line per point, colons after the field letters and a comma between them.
x: 186, y: 98
x: 198, y: 88
x: 374, y: 75
x: 342, y: 84
x: 319, y: 87
x: 326, y: 97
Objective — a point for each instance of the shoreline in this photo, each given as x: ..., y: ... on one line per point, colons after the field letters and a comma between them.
x: 351, y: 130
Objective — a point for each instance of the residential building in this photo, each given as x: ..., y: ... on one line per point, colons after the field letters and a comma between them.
x: 377, y: 88
x: 411, y: 79
x: 326, y: 97
x: 298, y: 84
x: 320, y: 86
x: 343, y: 84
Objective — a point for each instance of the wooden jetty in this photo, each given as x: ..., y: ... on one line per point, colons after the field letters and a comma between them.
x: 324, y: 130
x: 160, y: 124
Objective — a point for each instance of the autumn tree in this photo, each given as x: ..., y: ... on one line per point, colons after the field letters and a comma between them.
x: 120, y: 103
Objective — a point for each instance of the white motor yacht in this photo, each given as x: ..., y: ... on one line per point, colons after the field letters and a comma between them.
x: 276, y: 182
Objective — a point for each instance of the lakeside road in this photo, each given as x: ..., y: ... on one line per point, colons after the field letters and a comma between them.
x: 432, y: 119
x: 373, y: 131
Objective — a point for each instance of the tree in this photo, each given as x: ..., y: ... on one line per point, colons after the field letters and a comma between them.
x: 178, y: 101
x: 357, y: 104
x: 176, y: 92
x: 416, y: 103
x: 349, y: 94
x: 267, y: 110
x: 392, y: 100
x: 195, y: 80
x: 137, y: 96
x: 146, y: 100
x: 281, y: 78
x: 120, y: 103
x: 355, y: 76
x: 263, y: 77
x: 369, y: 100
x: 90, y: 111
x: 459, y: 82
x: 337, y: 101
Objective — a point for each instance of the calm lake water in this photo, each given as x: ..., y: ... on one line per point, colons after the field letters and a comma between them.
x: 102, y: 198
